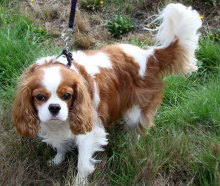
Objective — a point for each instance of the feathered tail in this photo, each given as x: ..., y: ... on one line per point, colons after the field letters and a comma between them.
x: 177, y: 40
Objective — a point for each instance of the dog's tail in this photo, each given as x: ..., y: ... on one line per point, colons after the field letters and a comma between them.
x: 176, y: 41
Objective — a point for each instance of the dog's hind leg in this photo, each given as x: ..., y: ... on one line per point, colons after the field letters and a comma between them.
x: 132, y: 119
x: 149, y: 111
x: 139, y: 120
x: 147, y: 120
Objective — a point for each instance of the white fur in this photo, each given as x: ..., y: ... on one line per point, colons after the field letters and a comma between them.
x: 96, y: 98
x: 52, y: 78
x: 140, y: 56
x: 51, y: 81
x: 61, y: 59
x: 59, y: 136
x: 54, y: 132
x: 92, y: 62
x: 42, y: 60
x: 180, y: 22
x: 132, y: 116
x: 57, y: 133
x: 87, y: 145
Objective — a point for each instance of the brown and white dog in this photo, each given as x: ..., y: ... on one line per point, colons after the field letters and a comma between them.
x: 67, y: 106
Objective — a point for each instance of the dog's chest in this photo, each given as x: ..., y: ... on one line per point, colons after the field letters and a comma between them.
x: 55, y: 132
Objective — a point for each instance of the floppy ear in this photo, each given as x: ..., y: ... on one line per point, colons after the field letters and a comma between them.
x: 24, y: 114
x: 81, y: 118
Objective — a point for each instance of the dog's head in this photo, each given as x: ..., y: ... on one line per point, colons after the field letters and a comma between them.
x: 49, y: 92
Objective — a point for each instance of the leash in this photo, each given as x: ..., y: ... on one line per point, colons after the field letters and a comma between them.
x: 69, y: 35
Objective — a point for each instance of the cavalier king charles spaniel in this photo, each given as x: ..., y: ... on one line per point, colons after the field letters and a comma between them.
x: 73, y: 105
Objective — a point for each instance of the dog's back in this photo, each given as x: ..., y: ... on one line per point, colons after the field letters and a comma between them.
x: 132, y: 85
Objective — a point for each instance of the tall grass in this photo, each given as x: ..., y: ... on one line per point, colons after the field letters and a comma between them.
x: 183, y: 147
x: 21, y: 43
x: 209, y: 54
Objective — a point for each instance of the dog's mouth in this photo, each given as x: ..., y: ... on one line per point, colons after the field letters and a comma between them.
x: 54, y: 118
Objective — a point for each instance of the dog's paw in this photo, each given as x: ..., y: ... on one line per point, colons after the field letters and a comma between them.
x: 79, y: 181
x: 55, y: 161
x: 52, y: 162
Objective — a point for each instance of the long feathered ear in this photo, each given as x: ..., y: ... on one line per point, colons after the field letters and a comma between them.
x: 24, y: 114
x: 81, y: 117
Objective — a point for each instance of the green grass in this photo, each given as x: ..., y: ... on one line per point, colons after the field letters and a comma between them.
x: 193, y: 104
x: 21, y: 43
x: 183, y: 147
x: 209, y: 54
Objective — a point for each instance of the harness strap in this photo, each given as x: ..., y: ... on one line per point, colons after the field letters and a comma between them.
x: 69, y: 57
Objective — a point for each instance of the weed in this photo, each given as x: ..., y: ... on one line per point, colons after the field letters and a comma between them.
x: 142, y: 40
x: 215, y: 35
x: 92, y: 4
x: 120, y: 25
x: 208, y: 54
x: 209, y: 2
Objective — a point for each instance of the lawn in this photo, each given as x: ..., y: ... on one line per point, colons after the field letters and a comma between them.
x: 182, y: 149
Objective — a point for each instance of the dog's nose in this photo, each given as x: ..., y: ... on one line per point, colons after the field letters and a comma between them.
x: 54, y: 109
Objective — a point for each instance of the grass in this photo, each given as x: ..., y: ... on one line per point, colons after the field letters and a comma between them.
x: 209, y: 54
x: 182, y: 149
x: 21, y: 43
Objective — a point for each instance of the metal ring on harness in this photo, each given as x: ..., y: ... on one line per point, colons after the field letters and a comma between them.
x: 69, y: 35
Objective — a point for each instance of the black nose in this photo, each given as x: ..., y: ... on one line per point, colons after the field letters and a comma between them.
x: 54, y: 109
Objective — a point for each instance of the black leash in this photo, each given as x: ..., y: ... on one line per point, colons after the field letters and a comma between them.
x: 68, y: 38
x: 72, y: 14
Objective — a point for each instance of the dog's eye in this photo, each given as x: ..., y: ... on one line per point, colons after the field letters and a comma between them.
x: 40, y: 97
x: 66, y: 96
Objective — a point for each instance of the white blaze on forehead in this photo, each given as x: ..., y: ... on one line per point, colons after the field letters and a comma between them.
x: 92, y: 62
x: 140, y: 56
x: 52, y: 78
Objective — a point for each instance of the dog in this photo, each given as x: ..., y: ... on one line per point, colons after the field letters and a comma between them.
x: 66, y: 106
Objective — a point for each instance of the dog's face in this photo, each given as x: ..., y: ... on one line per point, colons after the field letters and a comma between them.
x: 53, y: 95
x: 52, y: 92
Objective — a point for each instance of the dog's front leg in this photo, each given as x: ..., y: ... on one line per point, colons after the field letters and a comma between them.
x: 60, y: 156
x: 88, y: 144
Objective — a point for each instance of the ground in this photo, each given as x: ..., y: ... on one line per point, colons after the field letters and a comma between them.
x: 90, y: 20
